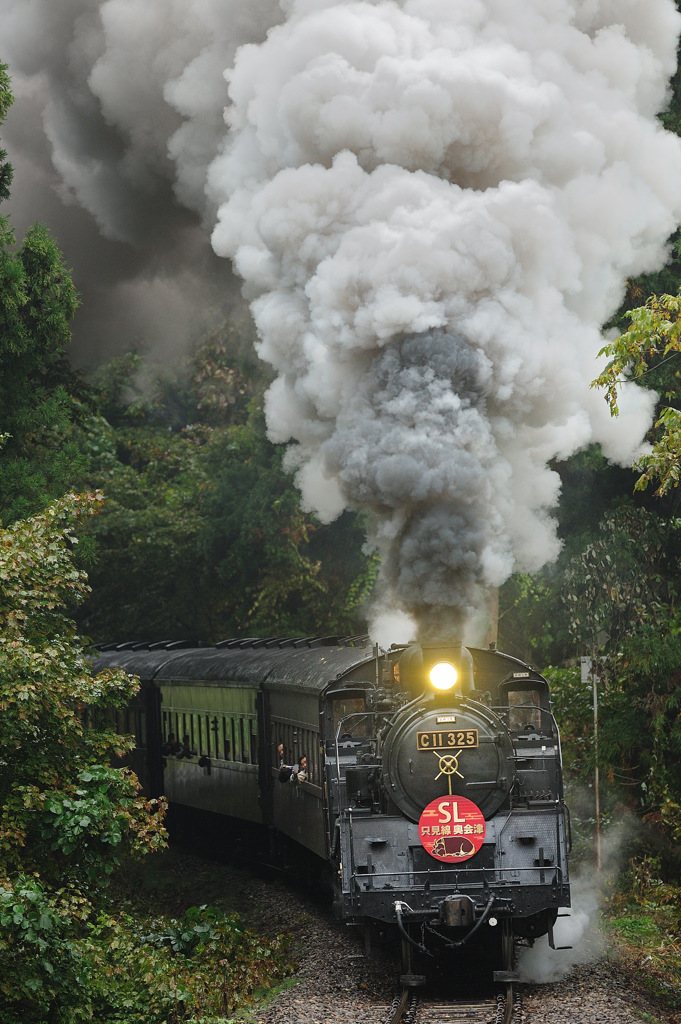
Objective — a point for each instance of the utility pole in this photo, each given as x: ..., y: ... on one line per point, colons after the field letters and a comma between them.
x: 590, y: 674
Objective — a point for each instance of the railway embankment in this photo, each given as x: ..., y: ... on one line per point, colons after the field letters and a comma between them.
x: 634, y: 977
x: 643, y: 928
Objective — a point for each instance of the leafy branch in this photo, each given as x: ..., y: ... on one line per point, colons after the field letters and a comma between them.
x: 652, y: 341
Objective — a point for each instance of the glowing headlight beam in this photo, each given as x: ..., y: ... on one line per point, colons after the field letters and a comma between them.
x: 443, y: 675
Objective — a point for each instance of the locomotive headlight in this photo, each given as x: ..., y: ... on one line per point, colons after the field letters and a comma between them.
x: 443, y: 676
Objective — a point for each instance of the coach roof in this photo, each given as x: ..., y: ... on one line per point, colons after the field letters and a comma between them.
x: 303, y: 663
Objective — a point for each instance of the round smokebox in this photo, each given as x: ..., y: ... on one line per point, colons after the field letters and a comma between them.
x: 461, y: 750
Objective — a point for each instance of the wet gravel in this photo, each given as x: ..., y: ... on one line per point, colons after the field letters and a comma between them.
x: 335, y: 983
x: 592, y: 992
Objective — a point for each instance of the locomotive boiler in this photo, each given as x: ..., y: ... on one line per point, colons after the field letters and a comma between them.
x: 433, y: 790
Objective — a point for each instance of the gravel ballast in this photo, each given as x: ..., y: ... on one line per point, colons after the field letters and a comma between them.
x: 335, y: 983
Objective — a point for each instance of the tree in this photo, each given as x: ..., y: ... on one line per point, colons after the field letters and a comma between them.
x: 277, y: 569
x: 622, y: 594
x: 202, y: 534
x: 67, y: 817
x: 6, y: 99
x: 40, y: 397
x: 648, y: 352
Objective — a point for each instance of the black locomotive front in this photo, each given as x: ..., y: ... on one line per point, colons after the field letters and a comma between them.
x: 446, y: 777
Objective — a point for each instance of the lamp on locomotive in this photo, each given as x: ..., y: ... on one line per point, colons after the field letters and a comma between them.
x: 443, y: 676
x: 444, y: 670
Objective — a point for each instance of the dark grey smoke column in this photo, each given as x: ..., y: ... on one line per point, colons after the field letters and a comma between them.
x: 411, y: 447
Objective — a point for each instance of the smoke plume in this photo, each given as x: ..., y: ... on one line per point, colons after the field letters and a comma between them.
x: 433, y: 207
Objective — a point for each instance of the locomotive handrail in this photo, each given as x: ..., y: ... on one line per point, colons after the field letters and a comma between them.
x: 503, y: 711
x: 569, y: 826
x: 346, y: 718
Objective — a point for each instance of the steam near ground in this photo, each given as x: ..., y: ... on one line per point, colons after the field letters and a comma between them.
x: 579, y: 934
x: 433, y: 206
x: 579, y: 929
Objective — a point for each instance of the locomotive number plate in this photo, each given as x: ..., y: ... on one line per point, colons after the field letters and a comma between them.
x: 447, y: 739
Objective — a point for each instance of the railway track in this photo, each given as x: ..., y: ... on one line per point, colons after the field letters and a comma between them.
x: 411, y: 1007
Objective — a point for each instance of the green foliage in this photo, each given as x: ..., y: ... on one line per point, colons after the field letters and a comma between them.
x: 144, y: 577
x: 622, y: 594
x: 525, y: 628
x: 202, y: 533
x: 66, y: 816
x: 89, y: 824
x: 219, y: 388
x: 650, y: 346
x: 201, y: 967
x: 276, y: 569
x: 43, y: 974
x: 619, y: 735
x: 642, y: 922
x: 121, y: 970
x: 625, y: 577
x: 6, y: 100
x: 573, y: 708
x: 40, y: 397
x: 535, y: 621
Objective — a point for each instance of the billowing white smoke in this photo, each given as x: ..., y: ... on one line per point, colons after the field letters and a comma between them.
x: 433, y: 204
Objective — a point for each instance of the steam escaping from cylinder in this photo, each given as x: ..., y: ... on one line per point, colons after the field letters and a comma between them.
x: 578, y: 936
x: 433, y: 207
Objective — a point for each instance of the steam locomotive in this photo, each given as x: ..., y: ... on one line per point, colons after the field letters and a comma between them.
x: 433, y: 789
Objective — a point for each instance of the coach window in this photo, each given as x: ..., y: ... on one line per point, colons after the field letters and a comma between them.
x: 227, y: 739
x: 172, y: 723
x: 244, y: 741
x: 308, y: 744
x: 281, y: 734
x: 236, y: 741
